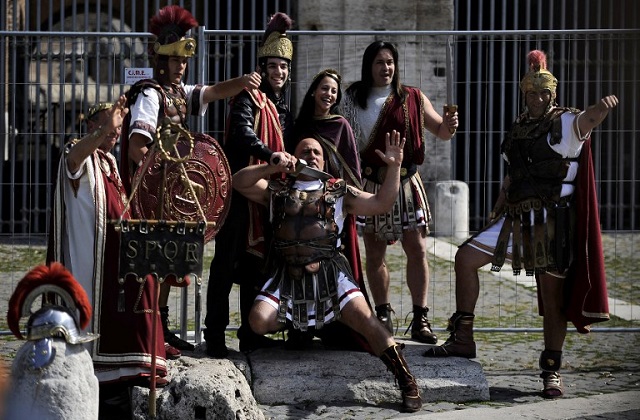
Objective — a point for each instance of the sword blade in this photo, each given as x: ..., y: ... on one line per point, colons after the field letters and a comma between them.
x: 303, y: 168
x: 449, y: 70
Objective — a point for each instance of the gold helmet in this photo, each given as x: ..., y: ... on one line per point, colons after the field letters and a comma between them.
x: 275, y: 42
x: 538, y: 77
x: 100, y: 106
x: 170, y: 26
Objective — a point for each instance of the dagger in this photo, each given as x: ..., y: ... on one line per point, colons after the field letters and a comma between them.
x: 302, y: 168
x: 449, y: 107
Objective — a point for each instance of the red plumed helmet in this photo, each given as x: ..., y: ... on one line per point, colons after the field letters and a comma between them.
x: 537, y: 60
x: 279, y: 22
x: 171, y: 24
x: 47, y: 280
x: 274, y: 41
x: 538, y: 77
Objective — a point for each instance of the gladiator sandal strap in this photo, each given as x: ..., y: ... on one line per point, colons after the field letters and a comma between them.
x: 395, y: 362
x: 550, y: 360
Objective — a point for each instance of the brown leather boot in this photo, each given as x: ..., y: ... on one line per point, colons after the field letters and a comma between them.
x: 394, y: 360
x: 420, y: 326
x: 383, y: 312
x: 460, y: 342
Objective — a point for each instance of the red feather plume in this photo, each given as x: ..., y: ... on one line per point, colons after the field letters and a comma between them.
x: 280, y: 22
x: 172, y: 18
x: 55, y: 274
x: 537, y: 60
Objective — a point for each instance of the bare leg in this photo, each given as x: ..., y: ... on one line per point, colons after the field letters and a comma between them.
x: 468, y: 261
x: 358, y: 315
x: 377, y: 273
x: 414, y: 244
x: 263, y: 318
x: 555, y: 331
x: 460, y: 341
x: 555, y: 320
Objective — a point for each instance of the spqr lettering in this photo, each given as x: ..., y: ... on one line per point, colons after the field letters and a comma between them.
x: 168, y: 250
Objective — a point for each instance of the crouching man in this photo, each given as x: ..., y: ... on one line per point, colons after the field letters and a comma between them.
x: 312, y: 283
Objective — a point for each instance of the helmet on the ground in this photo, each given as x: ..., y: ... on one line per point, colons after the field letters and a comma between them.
x: 56, y: 322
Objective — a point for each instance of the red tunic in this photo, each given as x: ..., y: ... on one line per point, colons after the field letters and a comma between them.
x: 123, y: 350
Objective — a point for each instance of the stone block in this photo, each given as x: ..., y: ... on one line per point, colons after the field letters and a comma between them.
x: 201, y: 388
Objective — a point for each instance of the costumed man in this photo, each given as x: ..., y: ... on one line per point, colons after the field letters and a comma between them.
x: 312, y: 284
x: 536, y: 224
x: 166, y: 96
x: 89, y: 193
x: 319, y: 117
x: 374, y: 105
x: 259, y: 120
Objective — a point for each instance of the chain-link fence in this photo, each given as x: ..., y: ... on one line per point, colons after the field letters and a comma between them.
x: 51, y: 78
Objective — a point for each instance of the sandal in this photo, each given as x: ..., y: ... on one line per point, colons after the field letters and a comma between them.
x: 171, y: 352
x: 552, y: 383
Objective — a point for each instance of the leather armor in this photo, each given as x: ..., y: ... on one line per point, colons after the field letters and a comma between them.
x: 304, y: 224
x: 535, y: 169
x: 541, y: 239
x: 172, y: 99
x: 310, y: 263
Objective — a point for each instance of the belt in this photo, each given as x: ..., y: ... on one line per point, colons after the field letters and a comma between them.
x: 378, y: 174
x: 536, y: 204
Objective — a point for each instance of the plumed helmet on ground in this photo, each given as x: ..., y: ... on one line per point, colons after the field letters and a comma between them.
x: 66, y: 309
x: 275, y: 42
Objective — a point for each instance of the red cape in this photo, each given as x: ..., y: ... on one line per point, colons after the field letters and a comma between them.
x: 268, y: 129
x: 586, y: 297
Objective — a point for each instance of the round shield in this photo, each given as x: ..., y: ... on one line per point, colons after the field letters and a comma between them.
x: 175, y: 189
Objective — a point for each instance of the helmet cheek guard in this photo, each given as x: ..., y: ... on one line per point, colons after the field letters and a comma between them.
x: 47, y: 324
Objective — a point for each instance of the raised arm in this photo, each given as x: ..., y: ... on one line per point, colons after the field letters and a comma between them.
x: 92, y: 141
x: 366, y: 204
x: 231, y: 87
x: 595, y: 114
x: 251, y: 181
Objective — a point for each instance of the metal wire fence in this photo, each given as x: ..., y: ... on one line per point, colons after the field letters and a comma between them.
x: 51, y: 79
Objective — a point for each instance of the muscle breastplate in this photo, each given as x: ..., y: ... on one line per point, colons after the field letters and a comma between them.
x: 535, y: 169
x: 304, y: 224
x: 175, y: 104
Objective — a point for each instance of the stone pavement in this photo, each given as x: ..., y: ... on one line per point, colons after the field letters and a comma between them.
x: 601, y: 370
x: 602, y: 381
x: 601, y: 377
x: 620, y: 406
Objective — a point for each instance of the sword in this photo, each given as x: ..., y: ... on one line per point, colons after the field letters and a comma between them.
x: 449, y: 107
x: 302, y: 168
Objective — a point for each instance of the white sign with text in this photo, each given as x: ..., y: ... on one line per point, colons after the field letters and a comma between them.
x: 135, y: 74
